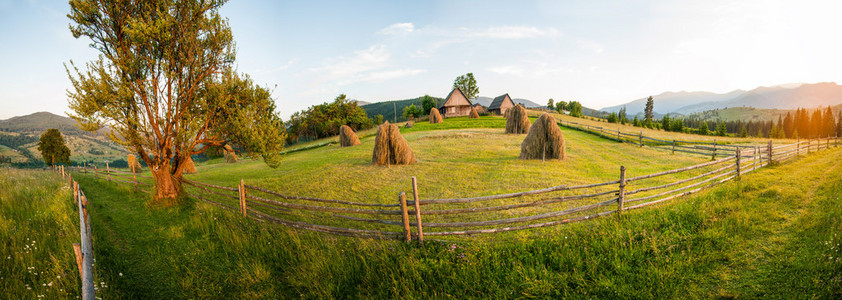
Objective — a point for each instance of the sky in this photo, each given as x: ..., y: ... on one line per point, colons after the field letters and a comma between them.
x: 600, y: 53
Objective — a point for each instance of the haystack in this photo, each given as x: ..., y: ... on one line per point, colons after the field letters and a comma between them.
x: 435, y: 116
x: 134, y: 164
x: 544, y: 140
x: 474, y: 114
x: 189, y: 166
x: 409, y: 124
x: 516, y: 120
x: 347, y: 137
x: 230, y: 156
x: 390, y: 148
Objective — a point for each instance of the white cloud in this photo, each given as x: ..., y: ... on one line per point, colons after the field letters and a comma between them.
x: 397, y: 28
x: 511, y: 32
x: 381, y: 76
x: 373, y: 58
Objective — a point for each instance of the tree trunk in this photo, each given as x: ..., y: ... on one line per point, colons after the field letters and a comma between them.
x: 168, y: 186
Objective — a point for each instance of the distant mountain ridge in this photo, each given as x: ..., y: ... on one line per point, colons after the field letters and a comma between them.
x: 788, y: 96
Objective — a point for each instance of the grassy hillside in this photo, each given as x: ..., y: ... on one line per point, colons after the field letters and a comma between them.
x: 748, y: 114
x: 38, y: 224
x: 772, y: 234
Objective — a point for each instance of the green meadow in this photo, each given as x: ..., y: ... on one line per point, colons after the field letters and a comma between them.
x: 774, y: 233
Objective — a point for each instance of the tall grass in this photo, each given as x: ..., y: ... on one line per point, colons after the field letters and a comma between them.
x: 38, y: 224
x: 774, y: 233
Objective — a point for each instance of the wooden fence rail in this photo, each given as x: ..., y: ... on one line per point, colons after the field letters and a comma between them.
x: 556, y: 205
x: 83, y: 250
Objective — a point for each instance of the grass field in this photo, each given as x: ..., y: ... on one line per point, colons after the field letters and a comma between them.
x: 15, y: 156
x: 38, y: 224
x: 772, y: 234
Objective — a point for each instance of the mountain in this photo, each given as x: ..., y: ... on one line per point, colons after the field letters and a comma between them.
x: 21, y: 134
x: 669, y: 102
x: 785, y: 96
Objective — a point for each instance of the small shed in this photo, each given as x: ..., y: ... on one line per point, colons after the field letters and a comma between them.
x: 455, y: 105
x: 500, y: 104
x: 480, y: 109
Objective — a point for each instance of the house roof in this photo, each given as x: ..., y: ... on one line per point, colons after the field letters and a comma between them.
x: 495, y: 104
x: 446, y: 99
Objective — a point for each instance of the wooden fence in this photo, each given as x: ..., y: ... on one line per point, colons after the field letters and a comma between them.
x: 546, y: 207
x: 84, y: 250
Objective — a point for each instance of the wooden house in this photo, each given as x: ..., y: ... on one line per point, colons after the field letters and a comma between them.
x: 500, y: 104
x: 455, y: 105
x: 480, y: 109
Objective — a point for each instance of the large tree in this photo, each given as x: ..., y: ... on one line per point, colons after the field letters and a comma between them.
x: 164, y: 83
x: 649, y: 114
x: 467, y: 84
x: 52, y: 147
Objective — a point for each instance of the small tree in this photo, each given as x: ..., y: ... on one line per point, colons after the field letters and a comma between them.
x: 743, y: 130
x: 551, y: 104
x: 612, y: 118
x: 560, y: 106
x: 467, y: 84
x: 665, y: 122
x: 636, y: 122
x: 622, y: 115
x: 427, y: 103
x: 703, y: 128
x: 721, y: 129
x: 411, y: 112
x: 378, y: 119
x: 649, y: 114
x: 575, y: 108
x: 52, y: 147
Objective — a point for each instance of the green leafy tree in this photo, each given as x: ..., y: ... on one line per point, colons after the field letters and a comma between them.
x: 551, y: 104
x: 324, y: 120
x: 378, y: 119
x: 612, y: 117
x: 624, y: 118
x: 412, y: 111
x: 721, y: 129
x: 665, y: 122
x: 560, y: 106
x: 703, y: 128
x: 52, y: 147
x: 165, y: 84
x: 427, y: 103
x: 575, y: 108
x: 467, y: 84
x: 636, y: 122
x: 677, y: 125
x: 649, y: 114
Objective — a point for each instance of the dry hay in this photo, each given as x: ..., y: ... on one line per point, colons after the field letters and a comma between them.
x: 347, y: 137
x: 409, y: 124
x: 230, y: 156
x: 390, y: 148
x: 474, y: 114
x: 516, y: 120
x: 544, y: 140
x: 134, y: 164
x: 435, y: 116
x: 189, y: 166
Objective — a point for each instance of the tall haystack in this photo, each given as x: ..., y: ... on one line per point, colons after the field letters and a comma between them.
x: 474, y: 114
x: 230, y: 156
x: 390, y: 148
x: 134, y: 164
x: 544, y: 140
x: 347, y: 137
x: 189, y: 166
x: 435, y: 116
x: 516, y: 120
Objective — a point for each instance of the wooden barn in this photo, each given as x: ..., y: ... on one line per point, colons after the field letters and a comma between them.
x: 480, y: 109
x: 500, y: 104
x: 455, y: 105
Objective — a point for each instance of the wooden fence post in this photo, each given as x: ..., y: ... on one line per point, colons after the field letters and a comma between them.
x: 75, y: 193
x: 673, y: 147
x: 77, y: 250
x: 242, y: 190
x: 739, y: 155
x: 618, y: 135
x: 798, y: 147
x: 417, y: 209
x: 107, y: 171
x: 714, y: 150
x: 621, y: 197
x: 641, y: 138
x: 770, y: 152
x: 404, y: 215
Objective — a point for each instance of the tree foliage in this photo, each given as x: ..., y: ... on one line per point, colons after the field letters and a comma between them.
x: 427, y: 103
x: 52, y: 147
x: 551, y: 104
x: 412, y: 111
x: 575, y: 108
x: 467, y: 84
x: 648, y: 111
x: 164, y: 83
x: 323, y: 120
